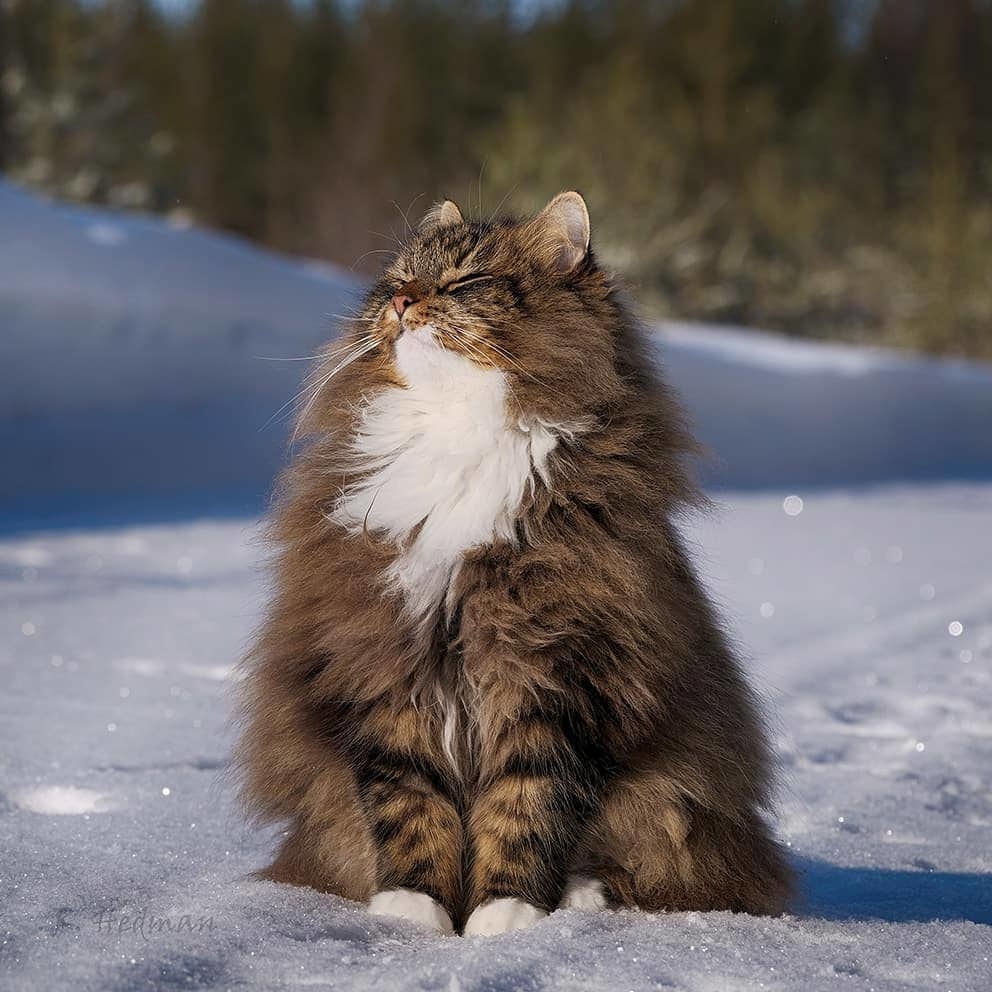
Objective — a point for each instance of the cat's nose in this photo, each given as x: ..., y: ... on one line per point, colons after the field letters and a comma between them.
x: 400, y: 302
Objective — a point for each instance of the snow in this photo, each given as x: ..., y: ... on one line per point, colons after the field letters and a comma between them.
x: 132, y: 576
x: 136, y: 356
x: 59, y: 800
x: 115, y: 734
x: 777, y: 412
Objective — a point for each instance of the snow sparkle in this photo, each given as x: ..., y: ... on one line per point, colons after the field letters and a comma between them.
x: 793, y: 505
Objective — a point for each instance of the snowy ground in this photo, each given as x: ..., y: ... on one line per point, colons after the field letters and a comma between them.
x: 132, y: 388
x: 117, y: 646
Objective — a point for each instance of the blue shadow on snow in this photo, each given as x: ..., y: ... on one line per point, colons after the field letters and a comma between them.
x: 834, y: 892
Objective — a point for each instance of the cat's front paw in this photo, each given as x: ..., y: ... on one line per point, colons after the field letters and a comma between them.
x: 583, y: 892
x: 417, y: 907
x: 501, y: 915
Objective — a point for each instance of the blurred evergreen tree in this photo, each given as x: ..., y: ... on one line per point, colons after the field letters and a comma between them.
x: 6, y: 149
x: 229, y: 139
x: 819, y: 166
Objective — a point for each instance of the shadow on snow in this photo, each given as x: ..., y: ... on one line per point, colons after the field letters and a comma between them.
x: 834, y: 892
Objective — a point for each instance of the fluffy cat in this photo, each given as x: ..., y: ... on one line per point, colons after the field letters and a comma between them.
x: 490, y: 683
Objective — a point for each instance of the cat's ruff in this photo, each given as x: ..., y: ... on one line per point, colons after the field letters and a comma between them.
x: 442, y: 452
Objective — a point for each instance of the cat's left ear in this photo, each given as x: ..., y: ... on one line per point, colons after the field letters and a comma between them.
x: 561, y: 231
x: 444, y: 214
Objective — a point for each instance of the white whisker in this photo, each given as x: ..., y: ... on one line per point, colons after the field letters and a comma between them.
x: 389, y: 237
x: 350, y: 317
x: 320, y: 354
x: 472, y: 350
x: 364, y: 350
x: 356, y: 349
x: 498, y: 349
x: 302, y: 358
x: 506, y: 196
x: 373, y: 251
x: 405, y: 214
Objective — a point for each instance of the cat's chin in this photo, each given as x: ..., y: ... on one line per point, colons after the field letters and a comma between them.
x: 418, y: 350
x: 422, y: 359
x: 424, y: 336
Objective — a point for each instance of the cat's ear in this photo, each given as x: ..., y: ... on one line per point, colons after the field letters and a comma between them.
x: 444, y: 214
x: 561, y: 231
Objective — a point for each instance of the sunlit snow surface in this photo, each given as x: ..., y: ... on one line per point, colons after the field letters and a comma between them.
x: 867, y: 616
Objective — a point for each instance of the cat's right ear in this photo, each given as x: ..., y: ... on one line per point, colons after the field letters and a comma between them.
x: 444, y: 214
x: 560, y: 232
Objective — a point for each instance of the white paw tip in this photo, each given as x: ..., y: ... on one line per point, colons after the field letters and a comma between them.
x: 417, y: 907
x: 501, y: 915
x: 585, y: 893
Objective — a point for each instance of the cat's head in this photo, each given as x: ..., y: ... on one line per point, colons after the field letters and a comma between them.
x: 524, y: 297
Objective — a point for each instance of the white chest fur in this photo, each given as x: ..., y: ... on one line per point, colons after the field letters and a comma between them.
x: 441, y: 453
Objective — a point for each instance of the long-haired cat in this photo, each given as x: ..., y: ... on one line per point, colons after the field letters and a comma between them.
x: 490, y: 683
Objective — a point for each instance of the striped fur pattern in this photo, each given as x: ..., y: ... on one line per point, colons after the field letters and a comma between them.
x: 489, y: 682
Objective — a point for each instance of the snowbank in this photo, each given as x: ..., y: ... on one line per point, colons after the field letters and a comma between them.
x: 777, y: 412
x: 136, y: 371
x: 134, y: 358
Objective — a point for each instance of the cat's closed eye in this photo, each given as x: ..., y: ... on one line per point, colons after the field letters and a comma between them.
x: 465, y: 282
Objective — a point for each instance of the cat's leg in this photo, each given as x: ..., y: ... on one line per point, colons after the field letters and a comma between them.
x: 660, y: 852
x: 415, y: 823
x: 538, y: 786
x: 318, y: 853
x: 292, y: 775
x: 585, y: 888
x: 584, y: 892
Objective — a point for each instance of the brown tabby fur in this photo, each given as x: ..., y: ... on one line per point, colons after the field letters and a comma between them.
x: 606, y: 725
